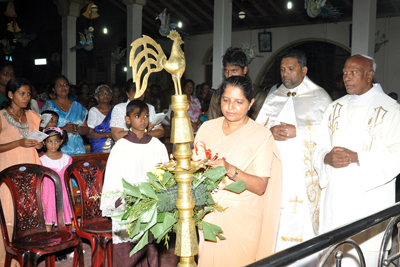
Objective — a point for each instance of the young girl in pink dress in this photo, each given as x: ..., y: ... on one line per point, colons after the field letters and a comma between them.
x: 58, y: 162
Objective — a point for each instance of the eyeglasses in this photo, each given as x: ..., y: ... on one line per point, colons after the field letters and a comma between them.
x: 104, y: 93
x: 61, y: 85
x: 6, y: 73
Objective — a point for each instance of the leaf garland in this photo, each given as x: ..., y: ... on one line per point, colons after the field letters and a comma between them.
x: 143, y: 200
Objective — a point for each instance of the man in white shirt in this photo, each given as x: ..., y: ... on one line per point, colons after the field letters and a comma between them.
x: 119, y: 128
x: 357, y: 157
x: 293, y: 113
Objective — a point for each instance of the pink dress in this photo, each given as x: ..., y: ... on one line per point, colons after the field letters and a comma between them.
x: 48, y: 192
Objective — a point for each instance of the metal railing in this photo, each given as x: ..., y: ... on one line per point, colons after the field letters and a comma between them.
x: 334, y: 237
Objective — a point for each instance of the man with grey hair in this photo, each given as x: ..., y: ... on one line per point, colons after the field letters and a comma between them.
x: 357, y: 157
x: 293, y: 113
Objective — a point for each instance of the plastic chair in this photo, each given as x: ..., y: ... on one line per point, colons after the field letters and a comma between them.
x: 30, y: 239
x: 92, y: 226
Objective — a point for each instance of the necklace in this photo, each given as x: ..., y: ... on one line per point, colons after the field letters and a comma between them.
x: 60, y: 106
x: 236, y: 139
x: 19, y: 118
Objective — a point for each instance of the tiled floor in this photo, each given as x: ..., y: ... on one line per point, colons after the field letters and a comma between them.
x: 167, y: 260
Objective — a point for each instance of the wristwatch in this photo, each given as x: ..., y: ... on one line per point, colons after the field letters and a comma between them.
x: 236, y: 173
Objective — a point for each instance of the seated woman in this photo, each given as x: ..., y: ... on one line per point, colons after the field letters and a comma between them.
x: 194, y: 111
x: 248, y: 152
x: 72, y: 116
x: 99, y: 121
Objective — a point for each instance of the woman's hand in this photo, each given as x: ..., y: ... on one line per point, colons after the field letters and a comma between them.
x: 70, y: 128
x: 230, y: 171
x: 28, y: 142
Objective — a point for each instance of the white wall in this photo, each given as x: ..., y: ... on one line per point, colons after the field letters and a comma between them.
x: 387, y: 57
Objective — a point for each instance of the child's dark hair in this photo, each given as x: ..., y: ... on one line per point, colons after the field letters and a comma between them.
x: 12, y: 86
x: 136, y: 104
x: 52, y: 131
x: 51, y: 112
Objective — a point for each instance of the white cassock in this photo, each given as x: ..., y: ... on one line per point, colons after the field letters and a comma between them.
x: 299, y: 219
x: 130, y: 161
x: 368, y: 124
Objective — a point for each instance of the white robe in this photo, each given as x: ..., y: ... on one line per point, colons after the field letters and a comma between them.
x: 130, y: 161
x: 299, y: 219
x: 369, y: 125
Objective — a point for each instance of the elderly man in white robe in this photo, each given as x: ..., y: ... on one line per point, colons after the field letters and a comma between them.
x: 358, y: 156
x: 293, y: 113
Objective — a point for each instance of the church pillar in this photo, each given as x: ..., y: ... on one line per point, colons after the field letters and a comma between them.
x: 134, y: 27
x: 363, y: 29
x: 69, y: 10
x: 222, y: 37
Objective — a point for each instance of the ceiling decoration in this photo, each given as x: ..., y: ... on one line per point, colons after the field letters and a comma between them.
x: 197, y: 16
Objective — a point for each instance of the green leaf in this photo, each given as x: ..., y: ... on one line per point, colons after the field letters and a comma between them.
x: 155, y: 181
x: 164, y: 233
x: 130, y: 189
x: 216, y: 173
x: 147, y: 216
x: 126, y: 215
x: 144, y: 223
x: 142, y: 243
x: 160, y: 217
x: 211, y: 231
x: 210, y: 200
x: 166, y: 176
x: 237, y: 187
x: 145, y: 189
x: 210, y: 187
x: 203, y: 212
x: 160, y: 228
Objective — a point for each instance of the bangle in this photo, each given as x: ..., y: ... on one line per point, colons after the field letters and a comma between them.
x: 236, y: 173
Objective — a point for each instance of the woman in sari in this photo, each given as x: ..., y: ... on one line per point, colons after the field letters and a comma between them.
x: 72, y: 116
x: 248, y: 152
x: 99, y: 135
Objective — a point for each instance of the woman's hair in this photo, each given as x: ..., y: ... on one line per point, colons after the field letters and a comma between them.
x: 51, y: 112
x: 81, y: 87
x: 136, y: 104
x: 96, y: 92
x: 5, y: 63
x: 12, y: 86
x: 53, y: 84
x: 128, y: 85
x: 186, y: 82
x: 241, y: 82
x: 52, y: 131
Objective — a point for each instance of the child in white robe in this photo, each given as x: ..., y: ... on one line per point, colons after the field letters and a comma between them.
x: 131, y: 158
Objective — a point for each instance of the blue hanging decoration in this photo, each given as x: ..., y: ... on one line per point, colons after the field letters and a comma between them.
x: 317, y: 8
x: 85, y: 42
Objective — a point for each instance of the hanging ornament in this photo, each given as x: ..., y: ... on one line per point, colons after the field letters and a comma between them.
x: 10, y: 12
x: 91, y: 29
x: 242, y: 15
x: 13, y: 26
x: 91, y: 11
x: 14, y: 40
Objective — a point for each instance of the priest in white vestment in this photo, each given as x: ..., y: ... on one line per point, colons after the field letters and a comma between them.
x: 293, y: 113
x: 358, y: 156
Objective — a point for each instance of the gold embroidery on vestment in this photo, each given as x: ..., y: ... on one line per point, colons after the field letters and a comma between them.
x: 291, y: 239
x: 313, y: 188
x: 375, y: 120
x: 295, y: 203
x: 333, y: 124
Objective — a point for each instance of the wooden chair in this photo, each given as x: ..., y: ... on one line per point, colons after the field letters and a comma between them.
x: 93, y: 226
x: 30, y: 239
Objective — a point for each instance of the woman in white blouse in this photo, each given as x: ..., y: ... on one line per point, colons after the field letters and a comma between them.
x: 99, y: 117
